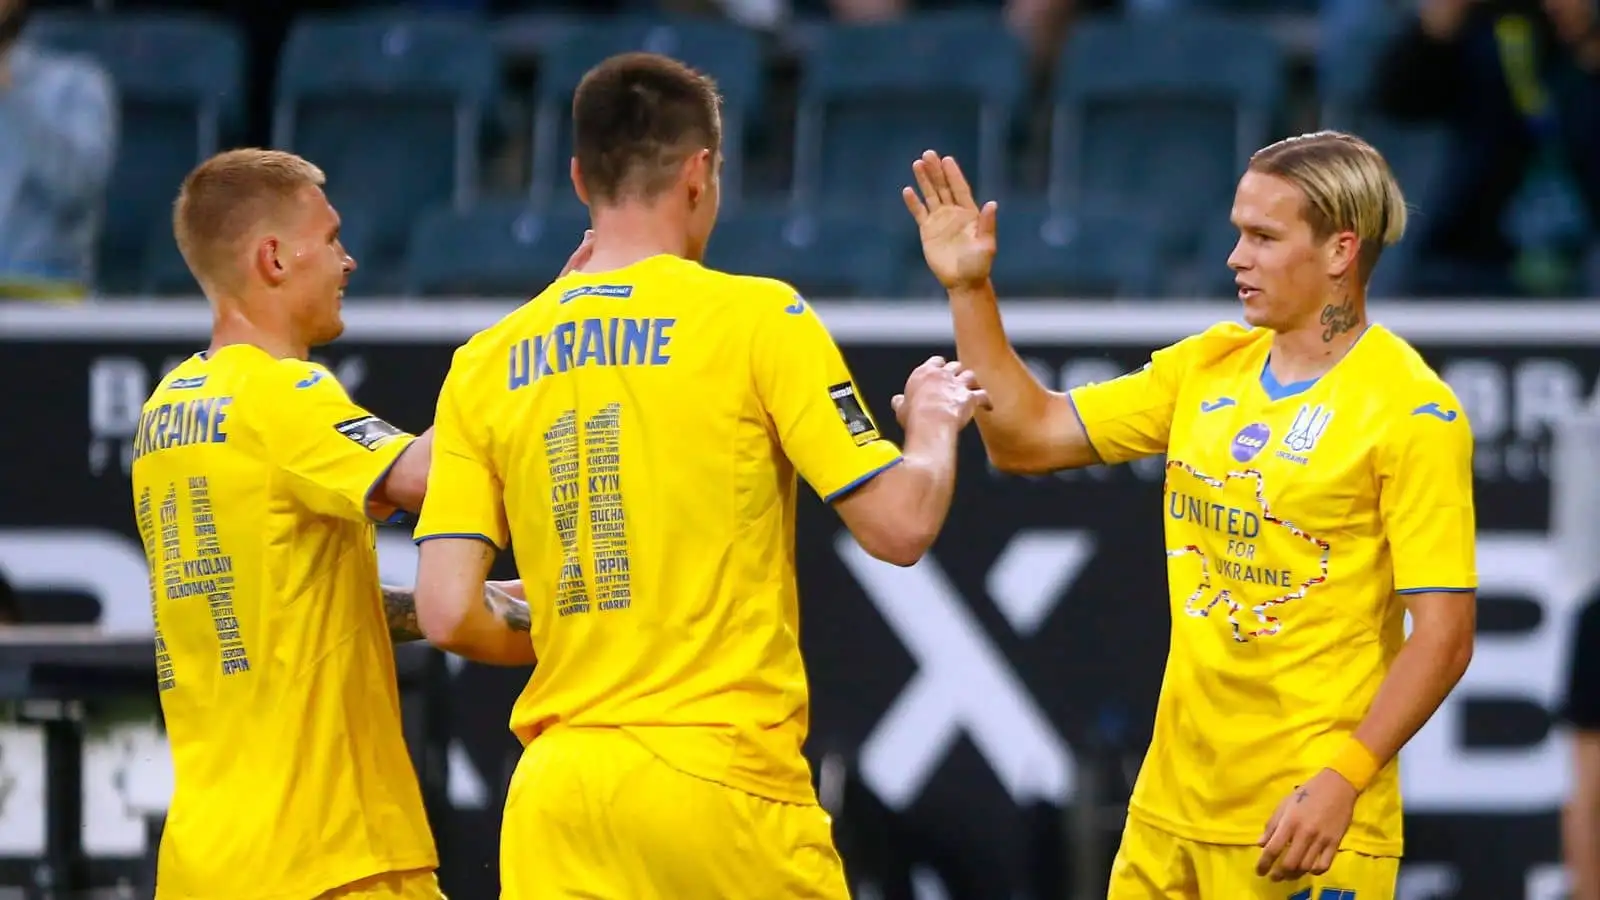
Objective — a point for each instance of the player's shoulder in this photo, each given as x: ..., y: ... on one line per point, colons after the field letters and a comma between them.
x: 1403, y: 371
x: 1216, y: 344
x: 292, y: 376
x: 1405, y: 384
x: 263, y: 385
x: 753, y: 296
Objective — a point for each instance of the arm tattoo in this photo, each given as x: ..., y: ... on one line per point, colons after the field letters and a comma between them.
x: 1300, y: 795
x: 1339, y: 319
x: 507, y: 608
x: 400, y: 606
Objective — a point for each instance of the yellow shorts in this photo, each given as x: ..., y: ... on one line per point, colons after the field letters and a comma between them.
x: 1152, y: 864
x: 592, y: 813
x: 419, y: 885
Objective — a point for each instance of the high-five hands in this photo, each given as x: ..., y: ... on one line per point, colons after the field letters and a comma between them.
x: 939, y: 391
x: 957, y: 236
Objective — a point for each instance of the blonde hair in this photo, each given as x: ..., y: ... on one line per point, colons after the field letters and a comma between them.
x: 228, y: 195
x: 1347, y: 185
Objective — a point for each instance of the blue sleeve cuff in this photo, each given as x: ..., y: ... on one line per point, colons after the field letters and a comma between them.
x: 458, y: 536
x: 1095, y: 451
x: 845, y: 491
x: 399, y: 516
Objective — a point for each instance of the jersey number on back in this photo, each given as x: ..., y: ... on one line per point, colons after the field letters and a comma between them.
x: 586, y: 492
x: 184, y: 578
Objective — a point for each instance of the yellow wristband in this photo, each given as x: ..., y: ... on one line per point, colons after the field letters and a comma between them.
x: 1356, y: 763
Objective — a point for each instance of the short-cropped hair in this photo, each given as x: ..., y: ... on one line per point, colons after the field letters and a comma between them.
x: 635, y: 118
x: 228, y: 195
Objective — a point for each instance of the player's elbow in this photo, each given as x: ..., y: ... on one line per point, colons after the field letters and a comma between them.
x: 1013, y: 462
x: 1460, y: 654
x: 442, y: 619
x: 1452, y: 639
x: 897, y: 546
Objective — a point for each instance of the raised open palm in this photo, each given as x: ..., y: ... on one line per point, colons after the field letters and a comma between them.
x: 957, y: 236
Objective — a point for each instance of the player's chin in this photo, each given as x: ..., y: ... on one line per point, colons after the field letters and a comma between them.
x: 1257, y: 313
x: 333, y: 327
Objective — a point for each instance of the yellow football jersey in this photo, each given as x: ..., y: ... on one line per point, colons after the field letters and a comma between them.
x: 635, y: 436
x: 1295, y: 514
x: 276, y: 669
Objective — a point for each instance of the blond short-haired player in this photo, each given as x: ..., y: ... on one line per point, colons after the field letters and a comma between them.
x: 257, y: 483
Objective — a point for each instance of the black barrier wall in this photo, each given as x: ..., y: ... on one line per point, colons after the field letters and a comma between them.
x: 1011, y: 673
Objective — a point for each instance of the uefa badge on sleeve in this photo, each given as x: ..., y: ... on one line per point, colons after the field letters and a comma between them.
x: 854, y: 416
x: 370, y: 432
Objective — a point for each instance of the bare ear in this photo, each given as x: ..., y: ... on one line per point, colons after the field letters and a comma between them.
x: 1344, y: 249
x: 268, y: 260
x: 698, y: 171
x: 577, y: 182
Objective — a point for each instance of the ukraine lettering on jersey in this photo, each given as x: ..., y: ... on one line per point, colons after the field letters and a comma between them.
x: 572, y: 345
x: 252, y: 483
x: 1295, y: 518
x: 200, y: 420
x: 644, y: 466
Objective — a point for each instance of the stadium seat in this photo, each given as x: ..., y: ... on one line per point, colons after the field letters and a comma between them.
x: 1050, y: 253
x: 1306, y: 8
x: 728, y: 53
x: 180, y: 88
x: 391, y: 106
x: 500, y: 248
x: 1054, y: 253
x: 873, y: 97
x: 1160, y: 114
x: 831, y: 253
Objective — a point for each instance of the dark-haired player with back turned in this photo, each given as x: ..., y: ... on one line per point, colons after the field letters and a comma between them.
x: 635, y: 433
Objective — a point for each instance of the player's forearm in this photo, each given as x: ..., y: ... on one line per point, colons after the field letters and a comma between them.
x: 1425, y: 670
x: 1013, y: 427
x: 930, y: 473
x: 493, y: 630
x: 1580, y: 837
x: 400, y: 607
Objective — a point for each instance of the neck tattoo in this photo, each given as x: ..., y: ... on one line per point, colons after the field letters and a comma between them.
x: 1337, y: 320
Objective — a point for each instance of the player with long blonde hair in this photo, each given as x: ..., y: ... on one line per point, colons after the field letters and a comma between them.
x: 1318, y: 489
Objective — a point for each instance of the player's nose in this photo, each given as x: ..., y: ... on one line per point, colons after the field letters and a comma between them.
x: 1238, y: 260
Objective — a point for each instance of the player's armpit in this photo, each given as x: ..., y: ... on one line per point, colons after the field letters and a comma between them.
x: 456, y: 610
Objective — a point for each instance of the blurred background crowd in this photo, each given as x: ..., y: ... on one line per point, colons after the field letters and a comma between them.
x: 1112, y: 131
